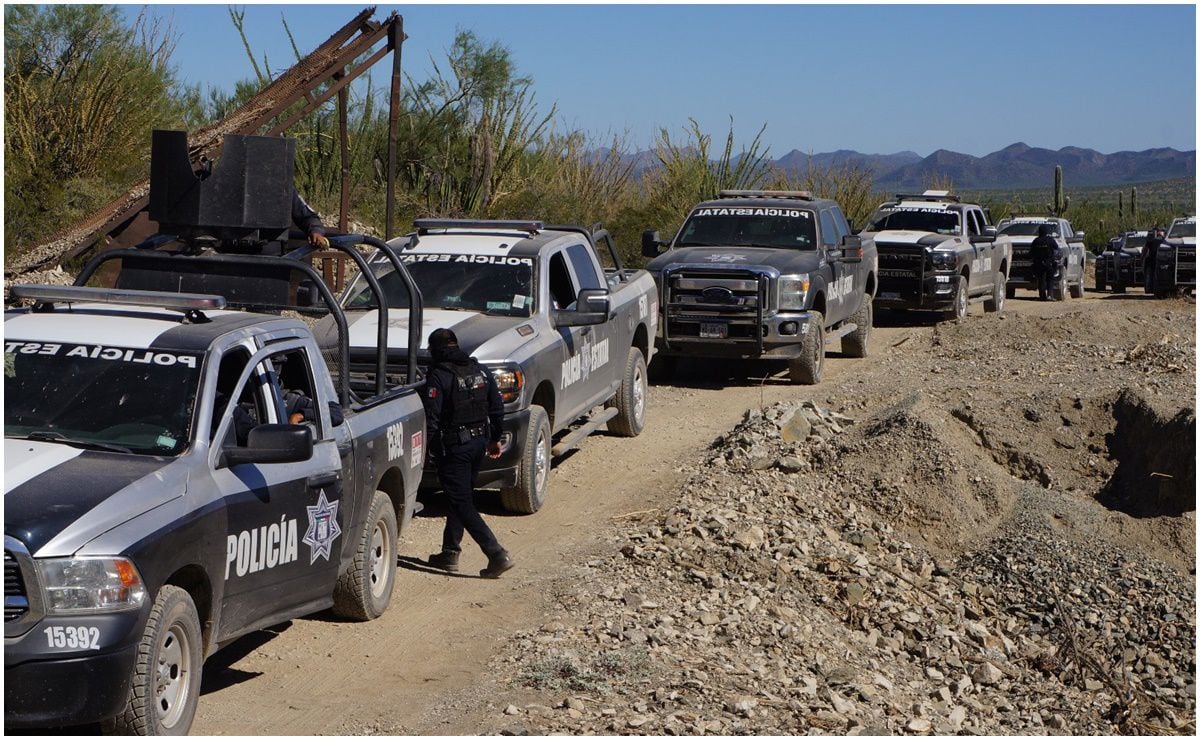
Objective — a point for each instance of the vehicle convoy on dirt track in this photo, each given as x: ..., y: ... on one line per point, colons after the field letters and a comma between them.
x: 1121, y: 265
x: 161, y: 500
x: 938, y: 254
x: 762, y: 274
x: 1175, y: 267
x: 1070, y: 256
x: 561, y: 334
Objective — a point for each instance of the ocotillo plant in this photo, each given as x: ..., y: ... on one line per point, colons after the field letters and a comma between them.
x: 1061, y: 202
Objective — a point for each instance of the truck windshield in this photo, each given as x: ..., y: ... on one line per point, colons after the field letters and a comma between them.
x: 1025, y: 228
x: 1180, y: 230
x: 725, y: 227
x: 491, y: 284
x: 935, y: 221
x: 1134, y: 242
x: 137, y: 401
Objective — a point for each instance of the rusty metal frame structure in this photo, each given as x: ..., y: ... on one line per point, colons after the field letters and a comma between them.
x: 325, y: 72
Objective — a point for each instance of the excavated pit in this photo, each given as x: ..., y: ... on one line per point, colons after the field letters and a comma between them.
x: 1155, y: 451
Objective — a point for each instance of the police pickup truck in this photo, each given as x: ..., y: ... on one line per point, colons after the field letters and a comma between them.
x: 1070, y: 255
x: 560, y: 333
x: 763, y: 274
x: 1121, y: 265
x: 178, y: 474
x: 1175, y: 262
x: 937, y: 253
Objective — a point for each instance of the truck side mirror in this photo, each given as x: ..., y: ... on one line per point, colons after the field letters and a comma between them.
x: 592, y: 307
x: 272, y: 444
x: 651, y: 244
x: 852, y: 249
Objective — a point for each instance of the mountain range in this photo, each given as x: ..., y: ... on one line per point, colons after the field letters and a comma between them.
x: 1014, y: 167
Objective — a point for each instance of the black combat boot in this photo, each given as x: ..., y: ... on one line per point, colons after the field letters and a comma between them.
x: 446, y: 560
x: 498, y: 563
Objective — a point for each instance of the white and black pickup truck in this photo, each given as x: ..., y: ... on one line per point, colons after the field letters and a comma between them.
x: 179, y: 472
x: 1070, y: 255
x: 937, y: 253
x: 1175, y: 264
x: 562, y: 334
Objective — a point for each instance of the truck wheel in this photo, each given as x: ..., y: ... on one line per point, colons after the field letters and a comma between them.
x: 959, y: 311
x: 1010, y: 291
x: 533, y: 474
x: 1100, y: 284
x: 854, y: 344
x: 631, y: 397
x: 806, y: 369
x: 661, y: 369
x: 166, y: 677
x: 1060, y: 291
x: 1118, y: 288
x: 364, y: 591
x: 995, y: 304
x: 1077, y: 288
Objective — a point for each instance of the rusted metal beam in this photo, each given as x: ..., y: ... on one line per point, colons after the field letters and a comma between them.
x: 329, y: 93
x: 396, y: 39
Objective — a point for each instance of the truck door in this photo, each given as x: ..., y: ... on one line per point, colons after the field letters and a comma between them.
x: 608, y: 359
x: 858, y: 271
x: 839, y: 291
x: 576, y: 342
x: 283, y: 521
x: 982, y: 270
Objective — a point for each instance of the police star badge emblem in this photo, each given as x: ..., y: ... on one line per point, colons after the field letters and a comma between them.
x: 323, y: 528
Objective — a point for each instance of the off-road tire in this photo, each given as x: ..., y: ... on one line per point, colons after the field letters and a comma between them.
x: 162, y: 699
x: 364, y: 591
x: 1100, y: 282
x: 854, y: 344
x: 995, y: 304
x: 1077, y: 288
x: 1059, y: 291
x: 631, y: 397
x: 662, y: 368
x: 806, y: 369
x: 962, y: 301
x: 533, y: 474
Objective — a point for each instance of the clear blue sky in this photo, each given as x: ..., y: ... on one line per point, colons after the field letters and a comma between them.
x: 876, y: 79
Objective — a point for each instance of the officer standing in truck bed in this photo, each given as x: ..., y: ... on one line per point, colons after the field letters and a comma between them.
x: 463, y: 416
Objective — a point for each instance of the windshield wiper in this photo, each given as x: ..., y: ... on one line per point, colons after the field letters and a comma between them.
x: 48, y: 436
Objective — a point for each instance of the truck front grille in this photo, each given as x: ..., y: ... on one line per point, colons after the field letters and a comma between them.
x: 901, y: 270
x: 734, y: 299
x: 16, y: 601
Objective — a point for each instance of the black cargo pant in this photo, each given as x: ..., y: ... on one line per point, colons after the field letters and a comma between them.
x: 1044, y: 272
x: 457, y: 469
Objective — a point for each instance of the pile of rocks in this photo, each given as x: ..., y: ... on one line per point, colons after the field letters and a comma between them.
x: 775, y: 598
x: 1171, y: 354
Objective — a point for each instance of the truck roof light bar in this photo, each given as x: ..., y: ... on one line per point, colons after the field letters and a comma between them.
x: 787, y: 194
x: 929, y: 196
x: 186, y: 302
x: 425, y: 224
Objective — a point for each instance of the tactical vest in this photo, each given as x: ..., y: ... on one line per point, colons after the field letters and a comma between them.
x: 468, y: 401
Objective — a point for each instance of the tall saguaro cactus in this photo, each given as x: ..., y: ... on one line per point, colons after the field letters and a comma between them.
x: 1120, y: 210
x: 1133, y: 206
x: 1061, y: 201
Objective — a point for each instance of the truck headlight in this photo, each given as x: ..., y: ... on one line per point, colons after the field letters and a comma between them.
x: 943, y: 260
x: 90, y: 584
x: 510, y: 380
x: 793, y: 290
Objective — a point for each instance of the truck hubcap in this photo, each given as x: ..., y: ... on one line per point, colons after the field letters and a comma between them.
x: 541, y: 462
x: 173, y: 676
x: 639, y: 394
x: 380, y: 547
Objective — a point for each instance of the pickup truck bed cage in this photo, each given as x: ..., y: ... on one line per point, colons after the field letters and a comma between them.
x: 243, y: 278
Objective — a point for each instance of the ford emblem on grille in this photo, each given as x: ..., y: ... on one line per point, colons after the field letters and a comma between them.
x: 717, y: 294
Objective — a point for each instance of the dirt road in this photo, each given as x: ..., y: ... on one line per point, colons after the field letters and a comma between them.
x: 405, y: 672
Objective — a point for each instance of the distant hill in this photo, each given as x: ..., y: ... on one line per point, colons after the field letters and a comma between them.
x: 1013, y: 167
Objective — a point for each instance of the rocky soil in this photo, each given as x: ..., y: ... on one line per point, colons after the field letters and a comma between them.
x: 933, y: 557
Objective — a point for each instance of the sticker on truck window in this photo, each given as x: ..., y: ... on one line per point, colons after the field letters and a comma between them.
x: 784, y: 212
x: 498, y: 306
x: 519, y: 301
x: 99, y: 352
x: 474, y: 259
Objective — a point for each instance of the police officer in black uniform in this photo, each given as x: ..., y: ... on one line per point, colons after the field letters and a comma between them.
x: 307, y: 220
x: 1041, y: 253
x: 1154, y: 240
x: 463, y: 415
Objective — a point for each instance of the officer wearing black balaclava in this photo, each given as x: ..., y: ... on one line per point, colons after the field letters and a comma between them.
x: 463, y: 413
x: 1154, y: 240
x: 1041, y: 253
